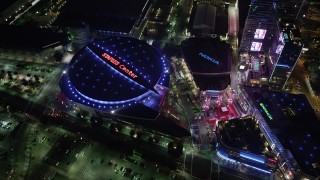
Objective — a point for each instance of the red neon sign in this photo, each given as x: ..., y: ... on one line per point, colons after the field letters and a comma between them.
x: 111, y: 59
x: 272, y: 160
x: 122, y: 67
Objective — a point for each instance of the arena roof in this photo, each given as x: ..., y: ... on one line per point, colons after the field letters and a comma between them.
x: 205, y: 17
x: 209, y: 60
x: 294, y: 122
x: 115, y: 73
x: 207, y: 55
x: 111, y: 15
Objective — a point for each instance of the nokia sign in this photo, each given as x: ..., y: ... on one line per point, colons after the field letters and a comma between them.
x: 205, y: 56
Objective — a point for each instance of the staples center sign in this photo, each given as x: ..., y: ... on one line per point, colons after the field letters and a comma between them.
x: 117, y: 64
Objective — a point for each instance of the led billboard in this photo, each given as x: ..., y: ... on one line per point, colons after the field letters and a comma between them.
x: 255, y: 46
x: 279, y: 49
x: 281, y: 38
x: 260, y: 33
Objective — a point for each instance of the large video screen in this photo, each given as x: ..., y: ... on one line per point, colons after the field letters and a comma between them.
x: 255, y: 46
x: 281, y: 38
x: 256, y: 65
x: 279, y: 49
x: 260, y: 33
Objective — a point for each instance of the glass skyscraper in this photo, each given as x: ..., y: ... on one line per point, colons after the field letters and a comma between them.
x: 286, y: 51
x: 264, y: 15
x: 266, y: 23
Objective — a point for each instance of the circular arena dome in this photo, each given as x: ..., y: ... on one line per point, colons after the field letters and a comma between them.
x: 116, y: 72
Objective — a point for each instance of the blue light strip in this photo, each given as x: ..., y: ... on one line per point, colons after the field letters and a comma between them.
x: 283, y: 65
x: 225, y: 157
x: 259, y: 169
x: 234, y: 161
x: 213, y: 91
x: 251, y: 157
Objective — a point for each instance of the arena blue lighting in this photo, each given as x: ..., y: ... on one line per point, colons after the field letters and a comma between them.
x: 116, y: 73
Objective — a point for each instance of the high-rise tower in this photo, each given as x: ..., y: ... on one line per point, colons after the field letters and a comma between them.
x: 259, y: 25
x: 286, y: 51
x: 262, y: 19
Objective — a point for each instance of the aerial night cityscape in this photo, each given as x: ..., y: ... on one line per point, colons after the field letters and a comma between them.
x: 160, y: 90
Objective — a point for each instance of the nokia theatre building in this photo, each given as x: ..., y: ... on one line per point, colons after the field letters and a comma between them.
x: 209, y: 61
x: 120, y: 76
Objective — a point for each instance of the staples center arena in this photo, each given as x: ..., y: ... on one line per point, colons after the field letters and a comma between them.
x: 118, y: 75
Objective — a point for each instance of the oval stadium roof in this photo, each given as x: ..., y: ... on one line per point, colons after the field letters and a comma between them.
x: 116, y: 73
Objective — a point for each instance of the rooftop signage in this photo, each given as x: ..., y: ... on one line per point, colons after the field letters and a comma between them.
x: 266, y: 111
x: 120, y: 66
x: 126, y: 71
x: 205, y: 56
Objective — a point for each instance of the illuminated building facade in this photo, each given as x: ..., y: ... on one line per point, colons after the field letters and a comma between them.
x: 290, y: 126
x: 284, y: 55
x: 259, y: 25
x: 116, y: 75
x: 239, y: 143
